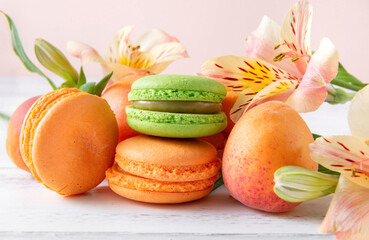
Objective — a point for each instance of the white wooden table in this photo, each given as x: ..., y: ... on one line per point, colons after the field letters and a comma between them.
x: 30, y: 211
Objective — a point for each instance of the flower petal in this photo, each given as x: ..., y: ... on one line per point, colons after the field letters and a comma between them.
x: 162, y: 55
x: 262, y: 42
x: 358, y: 113
x: 153, y: 38
x: 239, y: 106
x: 84, y: 52
x: 322, y: 68
x: 345, y: 154
x: 118, y: 48
x: 279, y: 91
x: 240, y: 73
x: 307, y: 97
x: 122, y: 72
x: 253, y: 78
x: 348, y: 214
x: 295, y: 33
x: 324, y: 62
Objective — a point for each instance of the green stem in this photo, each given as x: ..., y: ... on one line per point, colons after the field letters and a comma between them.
x: 347, y: 85
x: 4, y: 116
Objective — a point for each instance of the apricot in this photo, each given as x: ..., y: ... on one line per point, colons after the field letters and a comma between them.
x: 117, y: 97
x: 265, y: 138
x: 218, y: 141
x: 14, y: 129
x: 227, y: 105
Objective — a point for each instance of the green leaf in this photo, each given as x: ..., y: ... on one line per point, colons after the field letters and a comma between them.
x: 347, y: 77
x: 219, y: 182
x: 81, y: 79
x: 88, y: 87
x: 4, y: 116
x: 326, y: 170
x: 54, y: 60
x: 315, y: 136
x: 346, y: 80
x: 19, y: 51
x: 102, y: 84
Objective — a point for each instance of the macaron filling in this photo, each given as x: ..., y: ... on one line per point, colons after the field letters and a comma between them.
x: 179, y: 106
x: 174, y: 118
x: 174, y: 95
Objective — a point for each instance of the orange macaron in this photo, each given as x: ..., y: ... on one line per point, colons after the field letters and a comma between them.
x: 68, y: 140
x: 163, y: 170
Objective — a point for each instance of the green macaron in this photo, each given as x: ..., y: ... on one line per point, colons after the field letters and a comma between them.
x: 177, y: 106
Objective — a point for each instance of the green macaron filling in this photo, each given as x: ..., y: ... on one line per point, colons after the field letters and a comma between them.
x: 179, y: 106
x: 173, y: 118
x: 173, y: 95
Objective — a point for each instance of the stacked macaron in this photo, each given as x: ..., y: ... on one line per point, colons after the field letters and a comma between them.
x: 171, y: 166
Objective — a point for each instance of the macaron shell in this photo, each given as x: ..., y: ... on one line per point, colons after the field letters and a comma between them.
x: 32, y: 120
x: 166, y: 151
x: 159, y: 197
x: 167, y: 159
x: 176, y: 85
x: 74, y: 144
x: 170, y: 174
x: 176, y: 125
x: 124, y: 179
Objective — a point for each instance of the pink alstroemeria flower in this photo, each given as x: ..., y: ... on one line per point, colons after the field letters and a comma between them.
x: 151, y: 54
x: 278, y: 65
x: 348, y: 214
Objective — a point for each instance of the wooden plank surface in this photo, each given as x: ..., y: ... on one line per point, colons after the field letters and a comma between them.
x: 30, y: 211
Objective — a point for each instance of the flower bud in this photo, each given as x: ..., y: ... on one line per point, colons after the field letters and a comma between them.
x: 338, y: 95
x: 55, y: 61
x: 298, y: 184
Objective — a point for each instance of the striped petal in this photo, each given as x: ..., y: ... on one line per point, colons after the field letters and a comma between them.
x: 256, y: 80
x: 153, y: 38
x: 262, y: 42
x: 241, y: 73
x: 85, y: 52
x: 276, y: 91
x: 295, y: 33
x: 348, y: 214
x: 345, y: 154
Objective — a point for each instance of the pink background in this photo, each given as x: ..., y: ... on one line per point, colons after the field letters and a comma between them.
x: 208, y: 28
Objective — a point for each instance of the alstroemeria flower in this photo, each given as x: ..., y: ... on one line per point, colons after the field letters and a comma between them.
x: 278, y: 65
x: 348, y: 214
x: 151, y: 54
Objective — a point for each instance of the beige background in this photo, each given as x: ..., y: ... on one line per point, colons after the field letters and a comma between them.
x: 208, y: 28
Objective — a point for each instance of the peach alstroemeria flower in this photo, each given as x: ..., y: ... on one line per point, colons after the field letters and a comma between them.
x: 278, y: 65
x: 151, y: 54
x: 348, y: 214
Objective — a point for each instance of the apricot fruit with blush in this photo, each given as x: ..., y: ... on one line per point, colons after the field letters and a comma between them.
x: 117, y: 97
x: 227, y: 105
x: 265, y: 138
x: 14, y: 129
